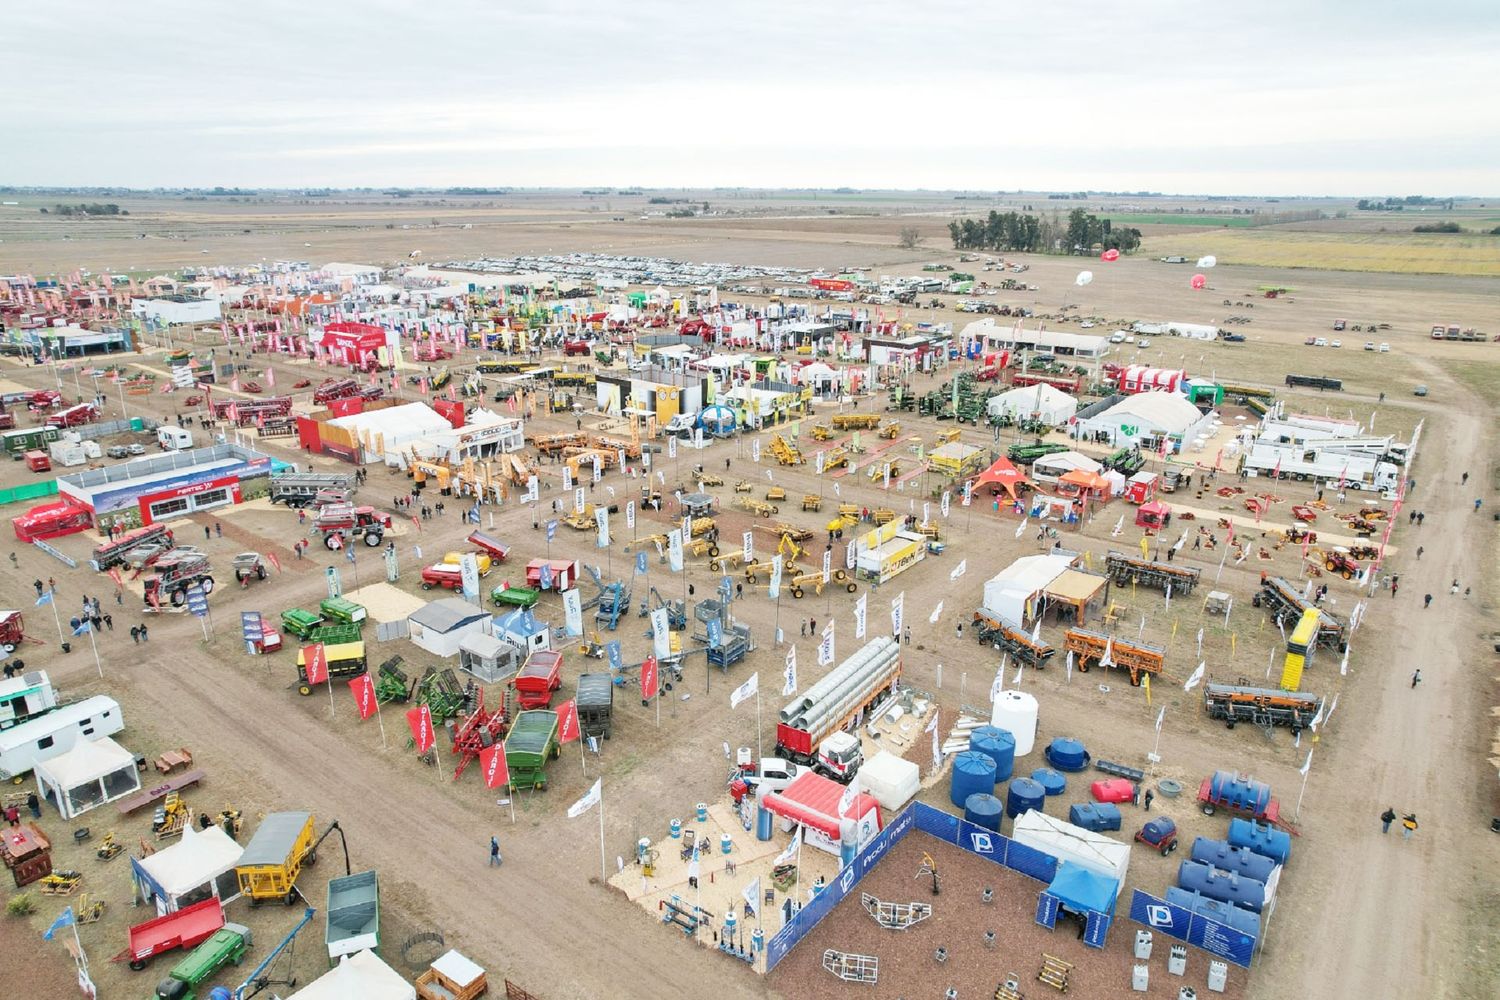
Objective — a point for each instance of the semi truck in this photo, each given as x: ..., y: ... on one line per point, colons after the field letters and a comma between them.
x: 1357, y: 471
x: 810, y: 726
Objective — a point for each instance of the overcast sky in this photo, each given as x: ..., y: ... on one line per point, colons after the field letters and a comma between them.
x: 1272, y: 97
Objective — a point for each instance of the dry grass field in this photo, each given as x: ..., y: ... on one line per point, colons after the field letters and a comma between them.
x: 1393, y: 252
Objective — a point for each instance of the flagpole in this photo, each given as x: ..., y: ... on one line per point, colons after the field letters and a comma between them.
x: 603, y: 876
x: 760, y: 749
x: 52, y: 600
x: 97, y: 663
x: 381, y: 723
x: 1306, y: 770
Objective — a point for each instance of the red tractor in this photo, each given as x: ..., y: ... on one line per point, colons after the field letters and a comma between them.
x: 341, y: 522
x: 576, y: 348
x: 1339, y: 561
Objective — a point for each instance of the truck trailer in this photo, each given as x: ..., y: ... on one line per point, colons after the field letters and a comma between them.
x: 830, y: 705
x: 1355, y: 470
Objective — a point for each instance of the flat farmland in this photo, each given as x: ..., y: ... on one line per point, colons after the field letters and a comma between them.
x: 1398, y: 253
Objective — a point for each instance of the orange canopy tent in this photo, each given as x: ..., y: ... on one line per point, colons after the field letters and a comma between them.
x: 1003, y: 474
x: 1084, y: 482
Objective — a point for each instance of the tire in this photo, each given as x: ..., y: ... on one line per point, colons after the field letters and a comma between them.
x: 311, y: 859
x: 1347, y: 574
x: 426, y: 585
x: 775, y: 510
x: 1167, y: 849
x: 714, y: 565
x: 713, y: 550
x: 328, y: 542
x: 208, y: 585
x: 840, y: 575
x: 260, y: 572
x: 749, y: 577
x: 796, y: 591
x: 137, y: 964
x: 289, y: 898
x: 304, y: 689
x: 851, y: 586
x: 178, y: 598
x: 372, y: 538
x: 1208, y: 808
x: 239, y: 576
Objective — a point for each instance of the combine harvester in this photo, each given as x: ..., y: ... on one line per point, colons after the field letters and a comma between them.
x: 812, y: 727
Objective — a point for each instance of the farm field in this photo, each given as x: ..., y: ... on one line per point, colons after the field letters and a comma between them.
x: 1406, y: 253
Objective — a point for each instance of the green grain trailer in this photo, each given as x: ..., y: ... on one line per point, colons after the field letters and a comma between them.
x: 226, y: 947
x: 353, y: 915
x: 295, y: 621
x: 532, y: 741
x: 343, y: 610
x: 516, y: 597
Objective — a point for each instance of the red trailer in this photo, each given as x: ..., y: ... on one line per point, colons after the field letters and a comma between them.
x: 831, y: 284
x: 74, y: 416
x: 186, y: 928
x: 12, y: 631
x: 7, y: 421
x: 447, y: 575
x: 573, y: 348
x: 43, y: 399
x: 538, y: 677
x: 331, y: 389
x: 564, y: 574
x: 490, y: 545
x: 37, y: 461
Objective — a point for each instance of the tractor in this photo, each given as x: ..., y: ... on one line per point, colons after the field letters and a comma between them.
x: 1339, y: 561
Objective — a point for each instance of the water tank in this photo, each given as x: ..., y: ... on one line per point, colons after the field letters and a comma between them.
x: 1095, y: 816
x: 1240, y: 860
x: 1262, y: 838
x: 1054, y: 781
x: 1067, y: 754
x: 1230, y: 916
x: 1224, y: 886
x: 1239, y: 792
x: 998, y: 745
x: 983, y: 810
x: 1022, y: 795
x: 973, y: 773
x: 1016, y: 713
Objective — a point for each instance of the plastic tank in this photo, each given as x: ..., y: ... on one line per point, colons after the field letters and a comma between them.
x: 1262, y: 838
x: 998, y: 745
x: 1096, y: 816
x: 1067, y: 754
x: 1227, y: 887
x: 1239, y: 792
x: 1230, y: 916
x: 1016, y: 713
x: 1024, y: 794
x: 1053, y: 781
x: 1240, y: 860
x: 973, y: 773
x: 983, y: 810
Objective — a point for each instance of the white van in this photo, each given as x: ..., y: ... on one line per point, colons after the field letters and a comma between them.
x: 58, y: 731
x: 680, y: 425
x: 174, y: 438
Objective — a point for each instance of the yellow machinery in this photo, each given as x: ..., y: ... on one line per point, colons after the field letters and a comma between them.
x: 701, y: 526
x: 744, y: 486
x: 581, y: 520
x: 877, y: 471
x: 1299, y: 647
x: 789, y: 551
x: 812, y: 502
x: 948, y: 436
x: 550, y: 444
x: 775, y: 493
x: 821, y: 432
x: 586, y: 456
x: 757, y: 507
x: 890, y: 432
x: 421, y: 470
x: 170, y: 817
x: 785, y: 452
x: 882, y: 515
x: 702, y: 547
x: 727, y: 560
x: 791, y: 531
x: 835, y: 459
x: 856, y: 421
x: 282, y: 845
x: 801, y: 582
x: 709, y: 479
x: 481, y: 559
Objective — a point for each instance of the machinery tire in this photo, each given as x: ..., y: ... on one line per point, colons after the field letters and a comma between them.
x: 1347, y: 574
x: 775, y: 509
x: 372, y: 538
x: 749, y: 577
x: 239, y: 576
x: 311, y: 859
x: 328, y: 542
x: 851, y: 586
x: 290, y: 897
x: 208, y: 585
x: 260, y: 572
x: 137, y: 964
x: 1328, y: 565
x: 714, y: 565
x: 1167, y: 849
x: 426, y: 585
x: 1208, y: 808
x: 796, y: 591
x: 178, y: 598
x: 840, y: 575
x: 1083, y: 665
x: 713, y: 550
x: 304, y: 689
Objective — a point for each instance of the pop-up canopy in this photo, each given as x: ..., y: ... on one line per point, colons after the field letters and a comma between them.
x: 1003, y: 473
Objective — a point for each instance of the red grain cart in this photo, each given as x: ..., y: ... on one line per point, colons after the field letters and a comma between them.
x: 186, y: 928
x: 538, y: 677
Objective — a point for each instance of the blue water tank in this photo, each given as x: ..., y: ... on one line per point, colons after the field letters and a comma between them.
x: 972, y: 772
x: 1262, y: 838
x: 1230, y: 916
x: 1226, y: 886
x: 1240, y: 860
x: 997, y: 744
x: 1096, y: 816
x: 763, y: 823
x: 1054, y: 781
x: 983, y: 810
x: 1067, y: 754
x: 1022, y: 795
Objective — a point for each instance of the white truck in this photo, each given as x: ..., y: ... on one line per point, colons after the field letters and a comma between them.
x: 1302, y: 462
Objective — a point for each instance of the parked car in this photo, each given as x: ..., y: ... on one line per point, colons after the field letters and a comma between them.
x: 1320, y: 341
x: 1143, y: 342
x: 1385, y: 348
x: 1335, y: 343
x: 136, y: 448
x: 117, y: 451
x: 1234, y: 338
x: 1369, y: 345
x: 1420, y: 390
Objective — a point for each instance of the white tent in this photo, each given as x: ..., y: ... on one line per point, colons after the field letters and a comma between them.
x: 1048, y: 403
x: 361, y: 976
x: 199, y: 865
x: 1014, y: 591
x: 1084, y: 848
x: 1050, y: 468
x: 89, y: 775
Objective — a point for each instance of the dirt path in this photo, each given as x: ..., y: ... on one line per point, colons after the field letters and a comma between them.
x: 1393, y: 919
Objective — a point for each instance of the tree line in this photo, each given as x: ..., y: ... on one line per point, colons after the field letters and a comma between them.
x: 93, y: 208
x: 1027, y: 233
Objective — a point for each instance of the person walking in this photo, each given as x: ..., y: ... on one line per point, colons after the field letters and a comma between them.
x: 1420, y: 550
x: 1416, y: 678
x: 1147, y: 800
x: 1408, y: 825
x: 908, y: 635
x: 34, y: 804
x: 804, y: 628
x: 145, y: 636
x: 1454, y: 588
x: 1464, y: 479
x: 812, y: 626
x: 958, y: 631
x: 1421, y: 516
x: 1411, y: 518
x: 1386, y: 819
x: 208, y: 533
x: 495, y: 858
x: 1477, y: 502
x: 12, y: 816
x: 135, y: 634
x: 1426, y: 602
x: 1395, y: 580
x: 218, y: 530
x: 109, y: 622
x: 39, y: 587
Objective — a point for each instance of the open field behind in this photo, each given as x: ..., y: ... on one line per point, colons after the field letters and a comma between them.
x: 1405, y: 253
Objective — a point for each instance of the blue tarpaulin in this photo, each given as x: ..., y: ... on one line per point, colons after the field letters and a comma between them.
x: 1082, y: 890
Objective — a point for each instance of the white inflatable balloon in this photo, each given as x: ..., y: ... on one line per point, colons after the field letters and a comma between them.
x: 1084, y: 277
x: 1207, y: 261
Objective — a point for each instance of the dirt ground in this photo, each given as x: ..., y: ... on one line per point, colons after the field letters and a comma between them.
x: 1418, y: 914
x: 960, y: 918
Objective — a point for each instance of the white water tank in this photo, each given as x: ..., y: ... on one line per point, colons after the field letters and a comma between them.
x: 1016, y: 713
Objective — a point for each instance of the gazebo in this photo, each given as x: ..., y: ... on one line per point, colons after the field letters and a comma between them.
x: 1003, y: 474
x: 1154, y: 515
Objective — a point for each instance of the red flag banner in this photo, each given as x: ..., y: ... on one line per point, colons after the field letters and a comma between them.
x: 419, y: 720
x: 496, y: 773
x: 648, y: 678
x: 363, y: 689
x: 316, y: 661
x: 567, y: 721
x: 271, y: 558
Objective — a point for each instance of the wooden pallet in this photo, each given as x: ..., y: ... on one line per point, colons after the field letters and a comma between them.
x: 1054, y: 972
